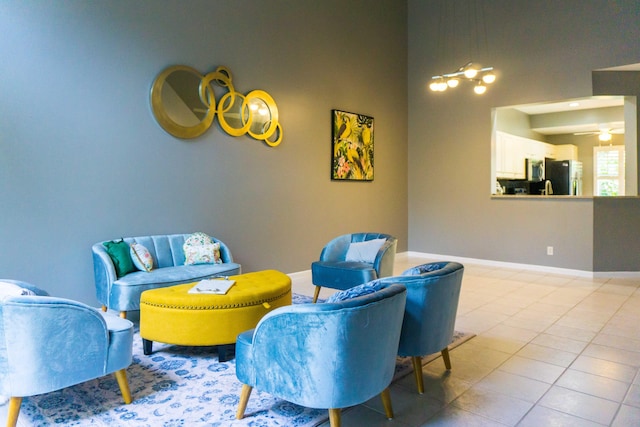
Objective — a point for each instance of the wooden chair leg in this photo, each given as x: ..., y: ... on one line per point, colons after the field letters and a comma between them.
x: 334, y: 417
x: 316, y: 294
x: 104, y: 308
x: 386, y: 402
x: 417, y: 372
x: 121, y: 377
x: 123, y: 314
x: 445, y: 357
x: 244, y: 399
x: 14, y: 411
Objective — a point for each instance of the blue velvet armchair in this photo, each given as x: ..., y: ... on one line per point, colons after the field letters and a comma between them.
x: 327, y: 356
x: 353, y: 259
x: 48, y: 343
x: 433, y: 292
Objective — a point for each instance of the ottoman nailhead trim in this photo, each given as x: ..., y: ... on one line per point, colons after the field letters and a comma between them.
x: 213, y: 307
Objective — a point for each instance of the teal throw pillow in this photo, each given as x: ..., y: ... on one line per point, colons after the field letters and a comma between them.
x: 119, y: 252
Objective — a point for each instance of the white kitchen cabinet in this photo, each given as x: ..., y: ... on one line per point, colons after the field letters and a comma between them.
x: 549, y: 151
x: 537, y: 149
x: 566, y: 152
x: 513, y: 150
x: 509, y: 156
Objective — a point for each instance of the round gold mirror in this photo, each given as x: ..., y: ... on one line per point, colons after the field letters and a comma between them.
x: 177, y: 105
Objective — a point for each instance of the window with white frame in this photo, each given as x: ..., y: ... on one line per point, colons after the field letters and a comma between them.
x: 608, y: 170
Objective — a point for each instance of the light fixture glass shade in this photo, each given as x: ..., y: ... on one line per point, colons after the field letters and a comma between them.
x: 489, y: 78
x: 453, y: 82
x: 604, y: 136
x: 480, y: 88
x: 438, y: 85
x: 470, y: 73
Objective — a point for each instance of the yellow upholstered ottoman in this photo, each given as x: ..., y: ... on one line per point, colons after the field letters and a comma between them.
x: 172, y: 315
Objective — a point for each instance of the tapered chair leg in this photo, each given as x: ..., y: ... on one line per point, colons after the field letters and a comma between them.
x: 386, y: 402
x: 121, y: 377
x: 14, y: 411
x: 445, y: 357
x: 417, y: 372
x: 316, y: 294
x: 104, y: 308
x: 334, y: 417
x: 244, y: 399
x: 123, y: 314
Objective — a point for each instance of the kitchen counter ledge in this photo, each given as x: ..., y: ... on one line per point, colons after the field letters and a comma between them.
x: 534, y: 197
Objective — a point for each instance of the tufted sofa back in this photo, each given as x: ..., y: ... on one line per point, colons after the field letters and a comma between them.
x: 167, y: 251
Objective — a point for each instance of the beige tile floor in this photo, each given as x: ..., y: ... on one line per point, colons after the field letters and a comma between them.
x: 550, y: 350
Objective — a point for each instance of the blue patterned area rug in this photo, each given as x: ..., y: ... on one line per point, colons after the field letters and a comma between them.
x: 175, y: 386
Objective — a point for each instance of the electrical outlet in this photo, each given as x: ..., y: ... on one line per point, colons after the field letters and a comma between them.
x: 549, y: 250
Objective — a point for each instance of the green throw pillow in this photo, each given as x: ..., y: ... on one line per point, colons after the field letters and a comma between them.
x: 119, y: 252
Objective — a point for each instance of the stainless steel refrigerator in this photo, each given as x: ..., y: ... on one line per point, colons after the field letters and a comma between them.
x: 565, y: 176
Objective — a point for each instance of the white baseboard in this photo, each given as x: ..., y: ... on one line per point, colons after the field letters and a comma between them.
x: 528, y: 267
x: 300, y: 275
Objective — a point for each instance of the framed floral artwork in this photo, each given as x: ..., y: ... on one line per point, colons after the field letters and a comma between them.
x: 352, y: 147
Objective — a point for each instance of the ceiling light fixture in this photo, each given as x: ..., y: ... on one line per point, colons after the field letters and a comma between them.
x: 471, y: 72
x: 605, y: 135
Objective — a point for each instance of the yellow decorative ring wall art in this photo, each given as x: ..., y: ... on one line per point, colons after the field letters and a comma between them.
x: 184, y: 104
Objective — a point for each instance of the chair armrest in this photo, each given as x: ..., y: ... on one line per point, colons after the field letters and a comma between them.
x: 50, y: 343
x: 225, y: 252
x: 434, y: 269
x: 385, y: 258
x: 104, y: 273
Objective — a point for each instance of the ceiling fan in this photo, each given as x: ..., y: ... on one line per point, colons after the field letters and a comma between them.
x: 604, y: 134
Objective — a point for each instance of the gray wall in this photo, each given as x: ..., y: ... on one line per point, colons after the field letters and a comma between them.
x: 516, y: 122
x: 544, y: 51
x: 82, y: 159
x: 616, y: 220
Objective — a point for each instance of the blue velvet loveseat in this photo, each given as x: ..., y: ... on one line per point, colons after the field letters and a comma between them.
x: 122, y: 293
